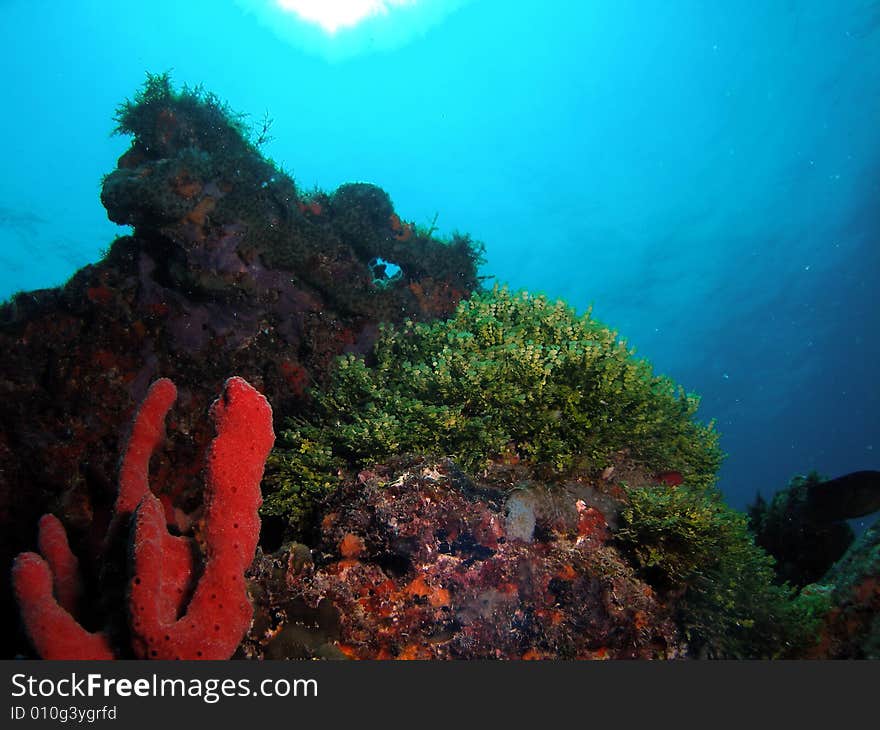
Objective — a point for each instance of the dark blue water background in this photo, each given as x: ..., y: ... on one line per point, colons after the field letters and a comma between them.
x: 705, y: 174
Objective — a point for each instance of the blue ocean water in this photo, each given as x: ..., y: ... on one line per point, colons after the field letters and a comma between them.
x: 704, y: 174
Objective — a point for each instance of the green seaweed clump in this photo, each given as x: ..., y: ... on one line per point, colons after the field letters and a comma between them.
x: 690, y: 545
x: 299, y: 474
x: 509, y: 375
x: 161, y: 118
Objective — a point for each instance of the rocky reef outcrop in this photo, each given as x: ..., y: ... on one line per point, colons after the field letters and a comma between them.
x: 230, y: 269
x: 459, y: 473
x: 851, y: 629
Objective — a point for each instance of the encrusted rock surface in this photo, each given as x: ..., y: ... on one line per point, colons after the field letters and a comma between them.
x: 852, y: 628
x: 417, y: 561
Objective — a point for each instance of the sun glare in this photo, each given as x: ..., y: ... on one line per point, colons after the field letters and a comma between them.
x: 341, y: 29
x: 331, y: 15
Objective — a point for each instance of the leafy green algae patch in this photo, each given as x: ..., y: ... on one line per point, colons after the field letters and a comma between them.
x: 517, y: 378
x: 509, y: 376
x: 692, y: 546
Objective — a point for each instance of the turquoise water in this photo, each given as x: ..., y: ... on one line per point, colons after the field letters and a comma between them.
x: 705, y: 174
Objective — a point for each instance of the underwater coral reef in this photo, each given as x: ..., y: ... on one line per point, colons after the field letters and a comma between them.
x: 460, y: 472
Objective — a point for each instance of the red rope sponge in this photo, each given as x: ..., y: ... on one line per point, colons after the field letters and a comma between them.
x: 220, y: 612
x: 47, y: 615
x: 161, y: 565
